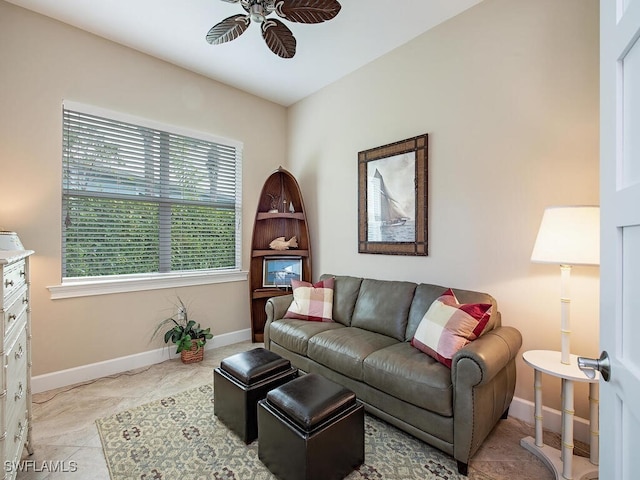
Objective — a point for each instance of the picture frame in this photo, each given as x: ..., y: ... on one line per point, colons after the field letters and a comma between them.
x: 278, y: 271
x: 392, y: 198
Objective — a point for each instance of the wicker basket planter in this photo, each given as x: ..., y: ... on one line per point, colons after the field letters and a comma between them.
x: 181, y: 331
x: 194, y: 354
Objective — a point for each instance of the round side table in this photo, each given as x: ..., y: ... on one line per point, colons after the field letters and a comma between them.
x: 562, y: 462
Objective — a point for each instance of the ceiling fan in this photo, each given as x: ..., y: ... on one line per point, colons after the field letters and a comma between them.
x: 275, y: 33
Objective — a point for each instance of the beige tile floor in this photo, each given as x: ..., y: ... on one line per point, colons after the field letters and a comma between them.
x: 65, y: 434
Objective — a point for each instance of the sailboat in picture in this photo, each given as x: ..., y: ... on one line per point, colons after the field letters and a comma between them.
x: 391, y: 213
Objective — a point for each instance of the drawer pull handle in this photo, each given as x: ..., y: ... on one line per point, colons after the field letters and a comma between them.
x: 19, y: 353
x: 22, y: 272
x: 12, y: 316
x: 19, y: 392
x: 18, y: 435
x: 8, y: 283
x: 25, y: 300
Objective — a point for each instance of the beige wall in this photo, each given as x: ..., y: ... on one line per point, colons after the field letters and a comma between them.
x: 43, y: 62
x: 508, y: 93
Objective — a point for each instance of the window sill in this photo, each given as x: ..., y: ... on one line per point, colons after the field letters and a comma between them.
x: 85, y: 288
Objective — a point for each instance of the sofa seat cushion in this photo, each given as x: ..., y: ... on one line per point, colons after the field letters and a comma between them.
x: 294, y: 334
x: 406, y: 373
x: 344, y: 350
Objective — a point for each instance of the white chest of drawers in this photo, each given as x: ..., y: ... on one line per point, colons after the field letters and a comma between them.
x: 15, y: 396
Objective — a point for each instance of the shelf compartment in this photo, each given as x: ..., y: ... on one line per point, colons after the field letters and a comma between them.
x: 269, y: 292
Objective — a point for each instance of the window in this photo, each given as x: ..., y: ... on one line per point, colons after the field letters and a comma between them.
x: 142, y: 199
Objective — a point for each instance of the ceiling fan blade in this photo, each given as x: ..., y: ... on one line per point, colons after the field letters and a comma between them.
x: 279, y: 38
x: 228, y: 29
x: 307, y: 11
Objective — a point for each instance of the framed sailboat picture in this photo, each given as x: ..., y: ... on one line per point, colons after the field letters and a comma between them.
x: 392, y: 198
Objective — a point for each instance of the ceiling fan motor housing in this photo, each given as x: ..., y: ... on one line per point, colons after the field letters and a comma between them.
x: 256, y: 11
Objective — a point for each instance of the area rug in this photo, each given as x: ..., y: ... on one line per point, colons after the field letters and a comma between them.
x: 179, y: 438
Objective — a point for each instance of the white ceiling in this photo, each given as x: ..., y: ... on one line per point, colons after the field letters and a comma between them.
x: 174, y: 31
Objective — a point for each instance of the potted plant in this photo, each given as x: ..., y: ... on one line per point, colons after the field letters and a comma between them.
x: 186, y: 334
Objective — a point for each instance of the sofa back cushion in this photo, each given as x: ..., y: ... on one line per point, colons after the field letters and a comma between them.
x: 345, y: 294
x: 426, y: 294
x: 383, y: 307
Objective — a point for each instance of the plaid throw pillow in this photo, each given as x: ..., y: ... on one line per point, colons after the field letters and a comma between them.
x: 448, y: 326
x: 312, y: 302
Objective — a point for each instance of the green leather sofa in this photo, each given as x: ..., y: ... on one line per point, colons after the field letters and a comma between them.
x: 367, y: 349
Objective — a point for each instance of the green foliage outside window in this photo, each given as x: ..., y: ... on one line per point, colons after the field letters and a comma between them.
x: 201, y: 238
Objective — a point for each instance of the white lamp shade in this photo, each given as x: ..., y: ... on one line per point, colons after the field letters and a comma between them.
x: 569, y: 235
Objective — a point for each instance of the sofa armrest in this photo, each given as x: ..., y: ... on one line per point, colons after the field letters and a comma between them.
x: 275, y: 308
x: 480, y: 361
x: 484, y: 380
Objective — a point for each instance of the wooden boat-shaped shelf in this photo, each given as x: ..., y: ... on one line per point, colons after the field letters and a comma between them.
x: 280, y: 213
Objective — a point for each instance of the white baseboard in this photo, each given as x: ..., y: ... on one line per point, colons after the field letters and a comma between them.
x: 71, y: 376
x: 551, y: 419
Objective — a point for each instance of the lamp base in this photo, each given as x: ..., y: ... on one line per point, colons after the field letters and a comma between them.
x: 565, y: 304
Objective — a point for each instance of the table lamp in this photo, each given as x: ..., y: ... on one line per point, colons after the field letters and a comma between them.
x: 568, y: 235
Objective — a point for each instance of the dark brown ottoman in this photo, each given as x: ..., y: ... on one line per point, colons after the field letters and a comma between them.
x: 243, y: 379
x: 311, y: 429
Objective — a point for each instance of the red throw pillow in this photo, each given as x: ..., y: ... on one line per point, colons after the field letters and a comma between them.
x: 448, y: 326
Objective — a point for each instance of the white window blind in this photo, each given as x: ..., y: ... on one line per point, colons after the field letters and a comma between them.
x: 143, y: 200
